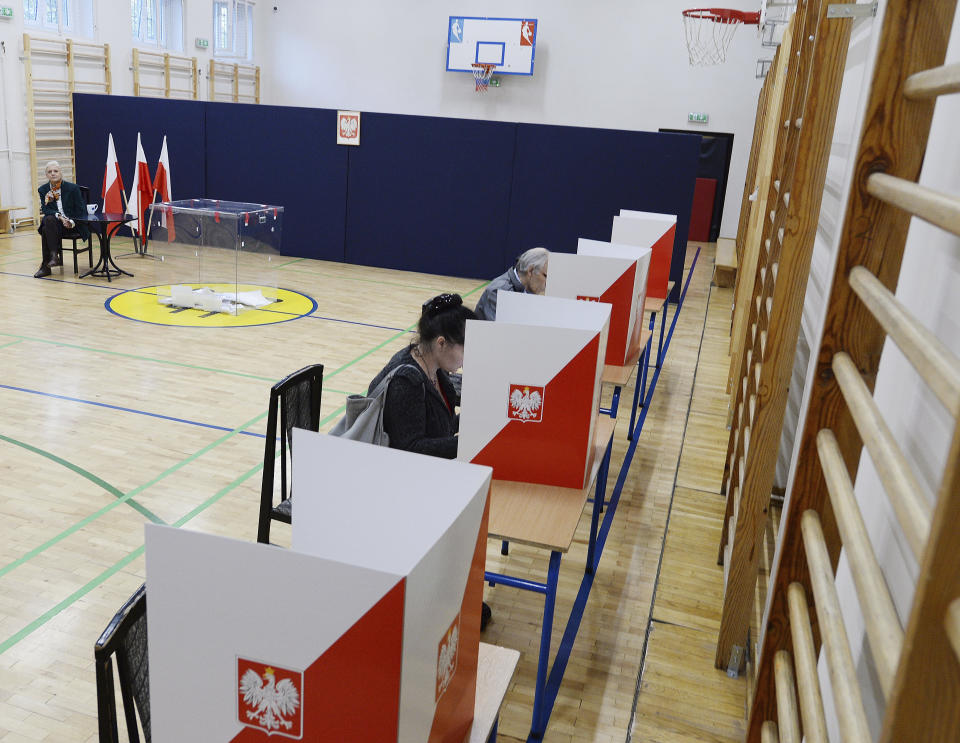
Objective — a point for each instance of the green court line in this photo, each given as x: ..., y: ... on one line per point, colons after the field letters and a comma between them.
x: 11, y: 343
x: 295, y: 260
x: 366, y: 281
x: 139, y: 489
x: 115, y: 492
x: 124, y: 561
x: 170, y: 470
x: 138, y: 357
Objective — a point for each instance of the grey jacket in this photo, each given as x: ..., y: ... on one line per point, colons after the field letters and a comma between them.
x: 487, y: 306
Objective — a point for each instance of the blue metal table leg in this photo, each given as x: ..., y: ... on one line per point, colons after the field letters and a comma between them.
x: 493, y: 730
x: 601, y: 492
x: 641, y: 365
x: 540, y: 714
x: 504, y: 547
x: 663, y: 325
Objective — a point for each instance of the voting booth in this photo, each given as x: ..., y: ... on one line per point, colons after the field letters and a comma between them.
x: 649, y: 230
x: 531, y: 389
x: 366, y: 630
x: 610, y: 273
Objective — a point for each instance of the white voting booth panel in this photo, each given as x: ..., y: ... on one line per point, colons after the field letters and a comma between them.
x: 531, y: 389
x: 367, y: 630
x: 610, y: 273
x: 649, y: 230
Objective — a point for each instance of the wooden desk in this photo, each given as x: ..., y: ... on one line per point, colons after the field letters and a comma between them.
x: 544, y: 515
x: 5, y: 225
x: 547, y: 516
x: 495, y: 669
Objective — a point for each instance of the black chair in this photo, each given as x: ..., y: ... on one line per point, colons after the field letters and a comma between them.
x: 297, y: 398
x: 126, y: 638
x: 73, y: 236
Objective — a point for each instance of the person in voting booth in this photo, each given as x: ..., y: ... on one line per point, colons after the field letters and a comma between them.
x: 528, y: 274
x: 60, y: 204
x: 418, y: 414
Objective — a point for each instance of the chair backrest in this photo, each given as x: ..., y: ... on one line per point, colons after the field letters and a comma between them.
x: 297, y: 400
x: 126, y: 638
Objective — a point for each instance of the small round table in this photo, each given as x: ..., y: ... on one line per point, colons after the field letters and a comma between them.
x: 105, y: 226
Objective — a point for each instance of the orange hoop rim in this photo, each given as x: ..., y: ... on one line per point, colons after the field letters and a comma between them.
x: 723, y: 15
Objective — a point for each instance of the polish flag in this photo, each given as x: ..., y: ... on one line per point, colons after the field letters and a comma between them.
x: 161, y: 185
x: 141, y: 194
x: 112, y: 193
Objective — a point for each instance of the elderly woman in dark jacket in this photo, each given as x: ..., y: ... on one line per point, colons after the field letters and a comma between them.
x: 419, y: 410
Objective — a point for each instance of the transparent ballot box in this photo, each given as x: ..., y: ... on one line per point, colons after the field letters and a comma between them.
x: 216, y: 256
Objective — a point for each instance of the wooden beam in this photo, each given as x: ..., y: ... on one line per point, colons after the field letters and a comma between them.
x: 913, y: 38
x: 827, y: 61
x: 925, y: 703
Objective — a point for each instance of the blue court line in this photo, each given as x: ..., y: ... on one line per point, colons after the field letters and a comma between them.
x: 128, y: 410
x: 62, y: 281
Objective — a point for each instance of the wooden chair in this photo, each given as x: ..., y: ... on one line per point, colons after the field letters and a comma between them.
x: 73, y: 236
x: 297, y: 398
x: 125, y: 637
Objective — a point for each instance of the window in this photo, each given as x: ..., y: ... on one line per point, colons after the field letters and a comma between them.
x: 158, y: 23
x: 60, y: 16
x: 233, y: 29
x: 49, y: 14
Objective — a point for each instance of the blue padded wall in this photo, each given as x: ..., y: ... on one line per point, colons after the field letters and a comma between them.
x: 460, y: 197
x: 285, y: 156
x: 430, y: 194
x: 95, y: 116
x: 569, y: 182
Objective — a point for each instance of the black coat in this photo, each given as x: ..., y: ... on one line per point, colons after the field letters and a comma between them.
x: 415, y: 416
x: 73, y: 206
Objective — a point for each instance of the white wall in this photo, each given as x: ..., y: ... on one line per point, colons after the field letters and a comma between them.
x: 112, y: 25
x: 928, y: 280
x: 618, y: 64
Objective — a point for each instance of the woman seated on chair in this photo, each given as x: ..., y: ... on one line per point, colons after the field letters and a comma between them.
x: 60, y: 204
x: 419, y: 411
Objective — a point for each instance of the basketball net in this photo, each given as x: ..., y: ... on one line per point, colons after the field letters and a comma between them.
x: 709, y: 32
x: 482, y: 72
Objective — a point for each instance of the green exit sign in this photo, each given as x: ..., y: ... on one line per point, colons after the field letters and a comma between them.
x: 202, y: 43
x: 6, y: 12
x: 697, y: 117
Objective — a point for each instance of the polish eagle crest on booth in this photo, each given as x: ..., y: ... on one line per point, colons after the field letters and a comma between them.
x: 270, y: 698
x: 525, y: 403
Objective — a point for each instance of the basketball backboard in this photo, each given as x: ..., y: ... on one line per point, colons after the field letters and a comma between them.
x: 508, y: 43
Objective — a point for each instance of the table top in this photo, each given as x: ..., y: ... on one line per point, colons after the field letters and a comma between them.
x: 620, y: 375
x: 544, y: 515
x: 105, y: 217
x: 653, y: 304
x: 495, y: 668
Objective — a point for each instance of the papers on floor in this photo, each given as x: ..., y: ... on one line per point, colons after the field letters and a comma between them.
x: 205, y: 298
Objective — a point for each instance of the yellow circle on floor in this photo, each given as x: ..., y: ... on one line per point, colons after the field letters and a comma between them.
x: 144, y: 305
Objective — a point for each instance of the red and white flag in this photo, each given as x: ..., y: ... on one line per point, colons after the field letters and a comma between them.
x: 112, y: 193
x: 141, y: 194
x: 162, y: 186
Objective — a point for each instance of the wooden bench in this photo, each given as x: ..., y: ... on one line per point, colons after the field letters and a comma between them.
x: 725, y: 268
x: 5, y: 225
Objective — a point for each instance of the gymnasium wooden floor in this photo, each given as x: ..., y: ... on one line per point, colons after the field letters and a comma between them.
x: 108, y: 422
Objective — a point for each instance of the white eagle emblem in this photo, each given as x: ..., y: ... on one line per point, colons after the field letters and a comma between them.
x: 447, y: 657
x: 348, y: 126
x: 272, y: 701
x: 526, y: 403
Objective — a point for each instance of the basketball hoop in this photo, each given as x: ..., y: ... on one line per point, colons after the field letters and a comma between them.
x: 482, y: 71
x: 709, y: 32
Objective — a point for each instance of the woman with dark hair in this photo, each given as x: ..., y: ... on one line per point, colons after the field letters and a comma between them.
x: 419, y: 412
